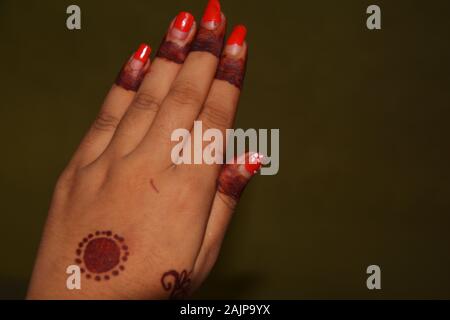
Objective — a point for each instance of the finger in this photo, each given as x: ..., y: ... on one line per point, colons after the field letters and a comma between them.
x: 116, y: 103
x: 231, y: 183
x: 156, y: 85
x: 190, y: 89
x: 220, y: 106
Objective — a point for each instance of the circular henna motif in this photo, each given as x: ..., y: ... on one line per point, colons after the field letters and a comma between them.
x: 101, y: 255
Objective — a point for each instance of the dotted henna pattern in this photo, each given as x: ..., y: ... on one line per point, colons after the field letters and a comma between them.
x: 101, y: 255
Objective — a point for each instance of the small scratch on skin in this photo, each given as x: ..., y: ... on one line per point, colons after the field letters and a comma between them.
x: 152, y: 183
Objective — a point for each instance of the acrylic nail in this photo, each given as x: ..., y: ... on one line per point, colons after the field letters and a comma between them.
x: 132, y: 73
x: 213, y: 15
x: 143, y: 53
x: 237, y: 36
x: 182, y: 26
x: 184, y: 21
x: 236, y: 40
x: 254, y: 163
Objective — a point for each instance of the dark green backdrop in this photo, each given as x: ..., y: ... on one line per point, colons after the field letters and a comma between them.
x: 364, y: 120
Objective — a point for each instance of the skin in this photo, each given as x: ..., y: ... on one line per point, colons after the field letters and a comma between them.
x: 140, y: 227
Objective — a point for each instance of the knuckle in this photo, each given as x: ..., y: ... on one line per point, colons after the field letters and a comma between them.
x: 66, y: 179
x: 147, y: 102
x: 186, y: 93
x: 214, y: 115
x: 105, y: 121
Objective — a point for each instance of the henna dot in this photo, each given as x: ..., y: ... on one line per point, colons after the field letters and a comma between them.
x: 124, y: 247
x: 109, y: 233
x: 122, y: 268
x: 88, y: 276
x: 124, y: 258
x: 80, y: 244
x: 106, y: 277
x: 97, y: 278
x: 82, y: 270
x: 101, y: 255
x: 85, y: 240
x: 115, y: 273
x: 97, y: 233
x: 77, y: 261
x: 90, y: 235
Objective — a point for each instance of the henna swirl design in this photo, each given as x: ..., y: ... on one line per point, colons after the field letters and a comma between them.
x: 231, y: 182
x: 178, y: 283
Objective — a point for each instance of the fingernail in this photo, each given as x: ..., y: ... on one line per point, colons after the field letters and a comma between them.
x: 133, y: 72
x: 236, y: 40
x: 182, y: 25
x: 254, y: 163
x: 237, y: 37
x: 143, y: 53
x: 212, y: 16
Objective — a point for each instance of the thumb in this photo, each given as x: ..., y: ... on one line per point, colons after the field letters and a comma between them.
x: 231, y: 183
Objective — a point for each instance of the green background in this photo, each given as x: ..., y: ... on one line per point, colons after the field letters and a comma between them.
x: 364, y: 120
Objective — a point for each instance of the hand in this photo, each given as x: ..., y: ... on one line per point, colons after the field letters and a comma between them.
x: 137, y: 225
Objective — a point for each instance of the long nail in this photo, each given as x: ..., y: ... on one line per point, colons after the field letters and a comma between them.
x: 212, y: 30
x: 233, y: 64
x: 143, y: 53
x: 213, y: 15
x: 236, y: 39
x: 133, y: 72
x: 254, y: 163
x: 177, y: 43
x: 182, y: 25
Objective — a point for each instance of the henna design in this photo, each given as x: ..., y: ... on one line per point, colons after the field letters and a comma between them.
x: 173, y: 52
x: 131, y: 75
x: 235, y: 176
x: 231, y: 182
x: 179, y: 286
x: 209, y: 41
x: 232, y: 70
x: 100, y: 255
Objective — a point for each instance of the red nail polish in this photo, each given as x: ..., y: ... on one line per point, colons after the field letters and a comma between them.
x: 212, y: 12
x: 237, y: 36
x: 143, y: 53
x: 184, y: 21
x: 254, y: 163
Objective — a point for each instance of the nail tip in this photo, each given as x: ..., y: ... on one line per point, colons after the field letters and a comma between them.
x: 254, y: 164
x: 238, y: 35
x: 184, y: 21
x: 143, y: 52
x: 213, y: 12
